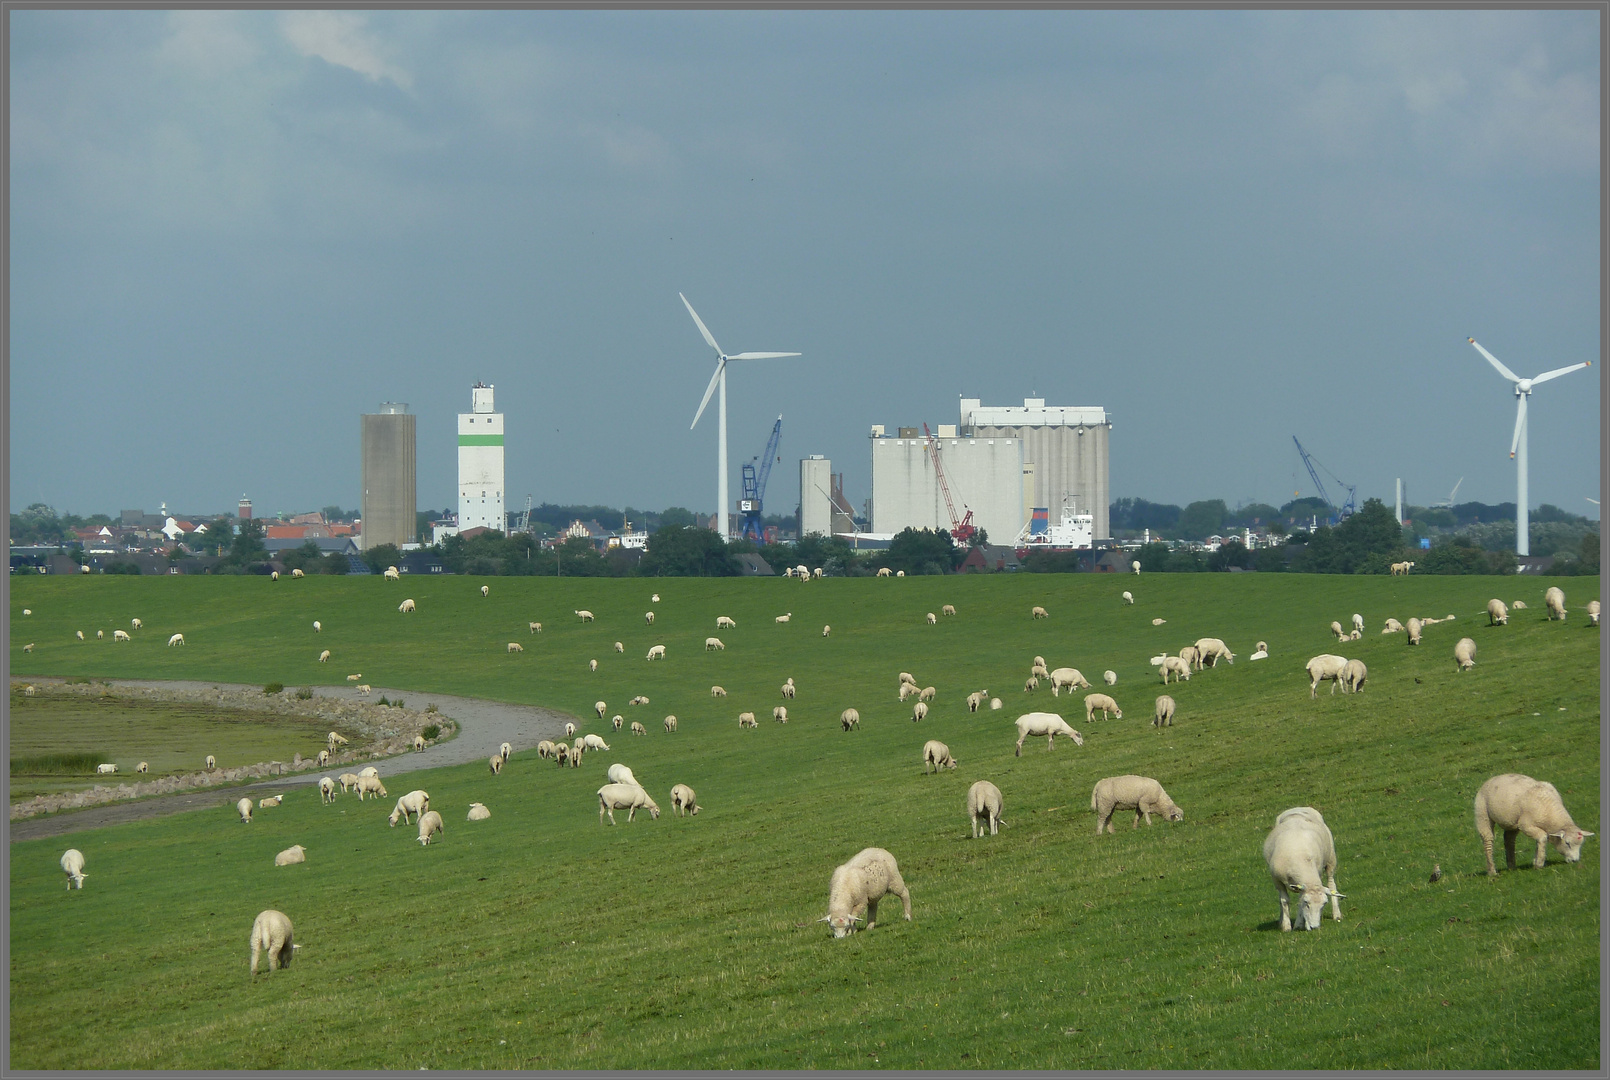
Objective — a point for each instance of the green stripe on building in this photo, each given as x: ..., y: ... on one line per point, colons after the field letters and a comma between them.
x: 480, y: 440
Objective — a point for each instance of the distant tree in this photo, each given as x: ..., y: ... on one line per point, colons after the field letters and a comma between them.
x: 381, y: 556
x: 1200, y: 520
x: 832, y: 553
x: 307, y: 558
x: 247, y: 546
x: 1269, y: 560
x: 678, y: 517
x: 980, y: 538
x: 336, y: 563
x: 335, y: 513
x: 1051, y: 562
x: 1252, y: 515
x: 922, y: 552
x: 121, y: 568
x: 1230, y: 553
x: 577, y: 557
x: 686, y: 551
x: 1137, y: 515
x: 1153, y: 558
x: 1301, y: 510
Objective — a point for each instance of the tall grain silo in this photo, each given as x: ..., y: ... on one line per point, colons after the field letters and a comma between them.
x: 1067, y: 449
x: 389, y: 491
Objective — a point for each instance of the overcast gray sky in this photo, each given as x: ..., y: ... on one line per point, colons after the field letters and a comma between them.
x: 234, y: 232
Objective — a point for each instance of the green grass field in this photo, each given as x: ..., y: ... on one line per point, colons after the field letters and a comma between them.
x: 540, y: 939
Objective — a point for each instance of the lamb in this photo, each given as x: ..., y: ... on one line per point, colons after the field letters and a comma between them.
x: 272, y: 800
x: 495, y: 763
x: 406, y: 606
x: 936, y: 756
x: 478, y: 812
x: 592, y: 665
x: 712, y: 644
x: 1048, y: 724
x: 1031, y: 684
x: 176, y: 639
x: 594, y: 742
x: 570, y: 728
x: 725, y: 623
x: 1401, y: 568
x: 908, y: 690
x: 105, y: 770
x: 850, y: 718
x: 370, y: 785
x: 1358, y: 623
x: 984, y: 806
x: 486, y: 590
x: 416, y: 802
x: 927, y: 693
x: 244, y: 809
x: 1212, y: 650
x: 975, y: 699
x: 324, y: 657
x: 859, y: 884
x: 628, y: 797
x: 536, y: 628
x: 783, y: 618
x: 638, y: 728
x: 789, y: 689
x: 826, y: 630
x: 1392, y: 627
x: 212, y: 763
x: 430, y: 825
x: 948, y: 609
x: 515, y: 646
x: 1554, y: 600
x: 1110, y: 677
x: 1193, y: 656
x: 1322, y: 668
x: 121, y: 635
x: 1038, y: 612
x: 1165, y: 712
x: 391, y: 574
x: 780, y: 714
x: 419, y: 745
x: 683, y: 801
x: 932, y: 618
x: 296, y: 853
x: 1300, y: 851
x: 72, y: 864
x: 620, y: 647
x: 326, y: 789
x: 1414, y: 631
x: 1102, y: 702
x: 657, y: 652
x: 747, y: 719
x: 919, y: 711
x: 718, y: 691
x: 1067, y: 677
x: 586, y: 616
x: 505, y: 751
x: 348, y: 781
x: 1464, y: 654
x: 142, y: 767
x: 1141, y: 794
x: 1519, y: 804
x: 271, y: 933
x: 1353, y: 676
x: 618, y: 720
x: 135, y: 623
x: 1336, y: 628
x: 648, y: 617
x: 1128, y: 597
x: 1497, y: 613
x: 1593, y: 612
x: 599, y: 707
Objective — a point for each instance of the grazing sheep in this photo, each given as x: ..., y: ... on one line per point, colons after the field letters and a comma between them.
x: 826, y: 630
x: 932, y: 618
x: 348, y: 781
x: 72, y: 864
x: 1159, y: 622
x: 176, y: 639
x: 884, y: 571
x: 105, y: 769
x: 134, y: 623
x: 711, y: 644
x: 576, y: 754
x: 478, y: 812
x: 570, y: 728
x: 1392, y: 627
x: 1464, y: 655
x: 1554, y: 600
x: 80, y: 634
x: 747, y: 719
x: 850, y: 718
x: 326, y: 789
x: 617, y: 720
x: 1401, y: 568
x: 899, y: 573
x: 273, y: 575
x: 1300, y: 852
x: 784, y: 618
x: 545, y: 748
x: 655, y: 599
x: 919, y: 711
x: 670, y: 724
x: 948, y: 609
x: 1212, y: 650
x: 368, y: 770
x: 430, y: 826
x: 638, y: 728
x: 505, y: 751
x: 355, y: 678
x: 536, y: 628
x: 212, y: 763
x: 1497, y: 613
x: 718, y: 691
x: 1414, y: 631
x: 586, y: 616
x: 995, y: 704
x: 271, y: 933
x: 1519, y: 804
x: 1165, y: 712
x: 121, y: 635
x: 1336, y: 628
x: 1110, y: 677
x: 1593, y: 612
x: 789, y: 690
x: 419, y: 744
x: 272, y: 800
x: 324, y: 657
x: 1322, y: 668
x: 1174, y: 665
x: 927, y: 693
x: 657, y: 652
x: 370, y: 785
x: 1353, y: 676
x: 1031, y: 684
x: 936, y: 756
x: 1358, y: 622
x: 908, y: 690
x: 1048, y: 724
x: 363, y: 688
x: 406, y: 606
x: 724, y: 623
x: 858, y: 885
x: 592, y: 665
x: 391, y: 574
x: 976, y: 699
x: 296, y: 853
x: 628, y: 797
x: 495, y: 763
x: 683, y: 801
x: 780, y: 714
x: 335, y: 739
x: 244, y: 809
x: 599, y: 707
x: 142, y: 767
x: 486, y: 590
x: 984, y: 807
x: 908, y: 677
x: 1519, y: 605
x: 1135, y: 566
x: 648, y: 617
x: 561, y: 754
x: 515, y: 646
x: 414, y: 803
x: 641, y: 699
x: 1261, y: 652
x: 1141, y: 794
x: 1038, y: 612
x: 1128, y: 598
x: 1104, y: 703
x: 1067, y: 677
x: 591, y: 742
x: 28, y: 647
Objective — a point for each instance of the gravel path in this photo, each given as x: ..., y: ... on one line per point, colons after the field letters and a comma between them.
x: 483, y: 727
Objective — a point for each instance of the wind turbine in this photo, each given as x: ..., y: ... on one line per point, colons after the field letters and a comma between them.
x: 1517, y: 445
x: 720, y: 379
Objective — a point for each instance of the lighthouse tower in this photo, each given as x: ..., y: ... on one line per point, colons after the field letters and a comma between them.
x: 480, y: 464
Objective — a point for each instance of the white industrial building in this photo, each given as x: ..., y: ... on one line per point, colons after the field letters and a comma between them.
x: 984, y: 475
x: 480, y: 464
x: 1066, y: 454
x: 815, y: 495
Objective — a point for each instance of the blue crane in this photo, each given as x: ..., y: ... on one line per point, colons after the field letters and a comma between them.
x: 1338, y: 513
x: 755, y: 487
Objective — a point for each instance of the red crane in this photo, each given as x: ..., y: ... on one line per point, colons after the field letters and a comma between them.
x: 960, y: 530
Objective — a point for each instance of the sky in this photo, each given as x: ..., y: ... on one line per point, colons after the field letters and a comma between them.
x: 233, y: 232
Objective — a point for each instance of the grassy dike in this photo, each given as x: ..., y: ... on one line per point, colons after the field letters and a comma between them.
x: 540, y: 939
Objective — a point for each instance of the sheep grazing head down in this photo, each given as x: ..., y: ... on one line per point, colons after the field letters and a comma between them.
x: 843, y: 925
x: 1311, y: 904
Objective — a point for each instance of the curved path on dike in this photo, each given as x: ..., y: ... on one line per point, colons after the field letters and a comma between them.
x: 483, y: 727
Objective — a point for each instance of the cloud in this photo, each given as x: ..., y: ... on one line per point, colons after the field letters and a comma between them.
x: 208, y: 42
x: 338, y: 37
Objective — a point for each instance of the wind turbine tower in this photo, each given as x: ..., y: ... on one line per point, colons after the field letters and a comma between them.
x: 1517, y: 445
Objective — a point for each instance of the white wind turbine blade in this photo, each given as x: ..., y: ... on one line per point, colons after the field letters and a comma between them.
x: 707, y: 336
x: 1520, y: 422
x: 1557, y: 372
x: 721, y: 366
x: 1491, y: 359
x: 762, y: 355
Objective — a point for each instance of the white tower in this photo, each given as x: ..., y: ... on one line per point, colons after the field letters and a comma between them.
x: 480, y: 464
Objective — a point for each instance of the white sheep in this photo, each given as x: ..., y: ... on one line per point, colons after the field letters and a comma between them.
x: 505, y: 751
x: 1128, y: 597
x: 1141, y: 794
x: 545, y: 748
x: 1300, y: 852
x: 273, y: 575
x: 368, y: 770
x: 919, y: 711
x: 599, y: 707
x: 406, y: 606
x: 1164, y: 717
x: 121, y: 635
x: 1193, y: 656
x: 486, y: 590
x: 570, y: 728
x: 585, y: 616
x: 212, y: 763
x: 648, y: 617
x: 976, y: 699
x: 142, y: 767
x: 640, y: 699
x: 1135, y: 566
x: 419, y: 745
x: 296, y: 853
x: 324, y: 757
x: 655, y: 599
x: 348, y: 781
x: 827, y: 630
x: 1519, y: 804
x: 1104, y: 703
x: 176, y: 639
x: 927, y: 693
x: 789, y: 689
x: 1336, y: 628
x: 1211, y: 650
x: 1593, y: 612
x: 718, y: 691
x: 135, y: 623
x: 1413, y: 628
x: 592, y: 665
x: 1038, y: 612
x: 621, y: 774
x: 1261, y: 652
x: 780, y: 714
x: 908, y: 690
x: 899, y: 573
x: 355, y: 678
x: 936, y: 756
x: 28, y: 647
x: 747, y: 719
x: 326, y: 789
x: 1554, y: 600
x: 1358, y: 623
x: 858, y: 885
x: 1069, y: 678
x: 725, y: 623
x: 80, y: 634
x: 297, y: 573
x: 984, y: 807
x: 1464, y: 654
x: 628, y: 797
x: 324, y: 656
x: 638, y: 728
x: 335, y: 739
x: 850, y: 718
x: 657, y: 652
x: 1322, y: 668
x: 478, y: 812
x: 995, y: 704
x: 244, y: 809
x: 884, y: 571
x: 1109, y: 677
x: 932, y: 618
x: 618, y: 720
x: 363, y: 689
x: 1497, y: 613
x: 1519, y: 605
x: 711, y: 644
x: 430, y: 826
x: 593, y: 742
x: 72, y: 864
x: 948, y: 609
x: 683, y: 800
x: 370, y: 785
x: 105, y: 769
x: 271, y: 933
x: 1392, y: 627
x: 515, y: 646
x: 414, y: 803
x: 536, y: 628
x: 1031, y: 684
x: 670, y: 724
x: 272, y: 800
x: 391, y: 574
x: 561, y: 754
x: 1159, y: 622
x: 784, y: 618
x: 1353, y: 676
x: 1048, y: 724
x: 1401, y: 568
